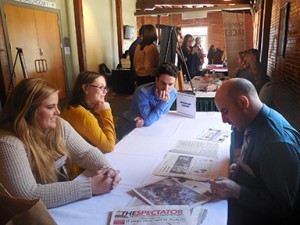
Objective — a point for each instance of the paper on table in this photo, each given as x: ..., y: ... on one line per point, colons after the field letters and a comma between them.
x: 202, y: 148
x: 170, y: 192
x: 189, y: 159
x: 163, y: 215
x: 214, y: 135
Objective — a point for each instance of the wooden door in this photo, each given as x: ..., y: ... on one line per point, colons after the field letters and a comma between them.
x: 22, y: 33
x: 37, y: 33
x: 47, y: 24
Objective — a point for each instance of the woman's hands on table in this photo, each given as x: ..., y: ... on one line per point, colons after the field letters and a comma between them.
x: 105, y: 180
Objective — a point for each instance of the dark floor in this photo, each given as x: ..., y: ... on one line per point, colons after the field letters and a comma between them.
x: 119, y: 103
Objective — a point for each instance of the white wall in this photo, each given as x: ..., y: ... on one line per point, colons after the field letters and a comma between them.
x: 129, y: 7
x: 100, y: 33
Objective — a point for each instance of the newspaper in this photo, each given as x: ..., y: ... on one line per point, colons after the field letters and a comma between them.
x: 198, y: 213
x: 148, y: 215
x: 189, y: 159
x: 214, y: 135
x: 170, y: 191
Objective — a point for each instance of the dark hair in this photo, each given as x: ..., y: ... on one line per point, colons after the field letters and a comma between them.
x: 186, y: 38
x: 149, y: 35
x: 255, y: 52
x: 77, y: 96
x: 167, y: 68
x: 141, y: 30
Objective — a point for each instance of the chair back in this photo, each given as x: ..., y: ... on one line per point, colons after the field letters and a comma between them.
x: 103, y: 69
x: 266, y: 94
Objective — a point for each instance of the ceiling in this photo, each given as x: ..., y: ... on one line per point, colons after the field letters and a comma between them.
x: 165, y: 7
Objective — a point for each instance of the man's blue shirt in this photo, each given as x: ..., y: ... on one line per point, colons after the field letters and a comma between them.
x: 146, y: 104
x: 273, y: 155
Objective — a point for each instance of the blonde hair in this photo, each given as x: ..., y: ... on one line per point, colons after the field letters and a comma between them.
x: 249, y: 63
x: 19, y: 118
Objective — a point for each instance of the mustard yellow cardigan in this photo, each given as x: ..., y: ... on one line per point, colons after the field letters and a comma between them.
x: 87, y: 125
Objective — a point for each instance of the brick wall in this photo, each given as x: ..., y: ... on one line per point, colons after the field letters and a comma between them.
x: 214, y: 22
x: 285, y: 72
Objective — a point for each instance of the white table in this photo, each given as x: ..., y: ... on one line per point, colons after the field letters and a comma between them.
x: 136, y: 156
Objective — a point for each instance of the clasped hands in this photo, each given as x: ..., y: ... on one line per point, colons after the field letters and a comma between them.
x: 105, y: 180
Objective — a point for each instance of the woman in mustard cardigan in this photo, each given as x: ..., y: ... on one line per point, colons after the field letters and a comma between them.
x: 87, y: 109
x: 146, y: 56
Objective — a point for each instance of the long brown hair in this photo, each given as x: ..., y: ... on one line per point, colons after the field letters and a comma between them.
x: 249, y: 63
x: 19, y: 119
x: 149, y: 36
x: 77, y: 96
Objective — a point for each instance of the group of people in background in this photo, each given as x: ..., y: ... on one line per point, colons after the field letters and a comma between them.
x: 193, y: 57
x: 41, y: 151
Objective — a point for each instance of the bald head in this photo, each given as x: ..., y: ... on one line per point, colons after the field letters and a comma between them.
x: 236, y: 87
x: 238, y: 102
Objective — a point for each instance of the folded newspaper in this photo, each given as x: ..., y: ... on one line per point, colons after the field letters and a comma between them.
x: 171, y: 191
x: 189, y: 159
x: 161, y: 215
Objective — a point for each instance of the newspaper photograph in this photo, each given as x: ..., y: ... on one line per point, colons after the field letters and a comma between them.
x: 198, y: 186
x: 214, y: 135
x: 189, y: 159
x: 170, y: 192
x: 152, y: 215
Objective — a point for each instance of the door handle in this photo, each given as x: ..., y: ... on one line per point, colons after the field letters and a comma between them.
x: 41, y: 65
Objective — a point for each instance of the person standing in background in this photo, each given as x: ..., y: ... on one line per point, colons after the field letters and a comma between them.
x: 132, y: 51
x: 210, y: 54
x: 146, y: 56
x: 188, y: 56
x: 199, y: 55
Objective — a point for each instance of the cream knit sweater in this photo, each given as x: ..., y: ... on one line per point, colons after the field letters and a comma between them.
x: 17, y: 177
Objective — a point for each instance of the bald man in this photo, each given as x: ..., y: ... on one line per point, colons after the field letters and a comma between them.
x: 264, y: 184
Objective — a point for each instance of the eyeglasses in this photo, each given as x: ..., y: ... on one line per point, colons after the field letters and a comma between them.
x: 102, y: 88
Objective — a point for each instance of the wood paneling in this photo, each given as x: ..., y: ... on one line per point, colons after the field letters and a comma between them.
x: 38, y: 34
x: 79, y: 24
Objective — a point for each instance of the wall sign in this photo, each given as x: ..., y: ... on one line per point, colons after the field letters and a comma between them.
x: 39, y: 3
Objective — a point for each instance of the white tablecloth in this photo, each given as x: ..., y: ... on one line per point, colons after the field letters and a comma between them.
x: 136, y: 156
